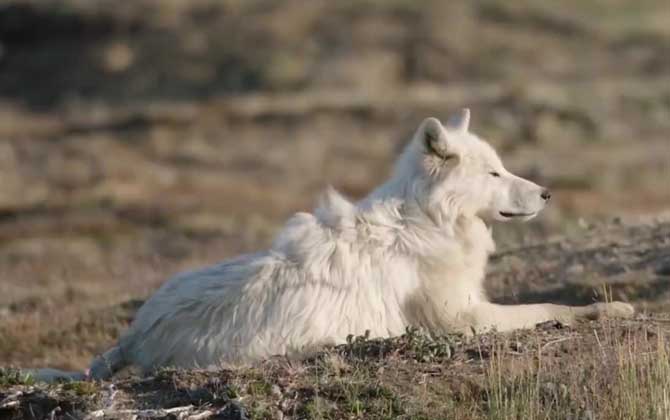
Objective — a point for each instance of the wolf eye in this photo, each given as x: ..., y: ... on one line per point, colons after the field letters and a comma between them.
x: 495, y: 174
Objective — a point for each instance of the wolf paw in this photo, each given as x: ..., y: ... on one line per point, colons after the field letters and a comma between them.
x: 612, y: 310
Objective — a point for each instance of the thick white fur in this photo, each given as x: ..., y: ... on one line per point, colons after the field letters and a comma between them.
x: 413, y: 252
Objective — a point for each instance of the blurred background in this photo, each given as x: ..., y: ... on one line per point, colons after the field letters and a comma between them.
x: 144, y: 137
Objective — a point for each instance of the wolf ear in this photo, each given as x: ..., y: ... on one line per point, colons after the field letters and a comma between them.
x: 434, y: 139
x: 460, y: 121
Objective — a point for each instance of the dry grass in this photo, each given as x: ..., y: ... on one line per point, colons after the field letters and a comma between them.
x: 624, y: 378
x: 608, y: 370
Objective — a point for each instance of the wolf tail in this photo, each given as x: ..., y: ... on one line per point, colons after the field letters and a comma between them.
x: 52, y: 375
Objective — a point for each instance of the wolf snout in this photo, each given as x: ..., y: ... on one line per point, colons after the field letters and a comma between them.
x: 545, y: 194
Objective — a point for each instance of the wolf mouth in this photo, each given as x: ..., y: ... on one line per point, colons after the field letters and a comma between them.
x: 510, y: 215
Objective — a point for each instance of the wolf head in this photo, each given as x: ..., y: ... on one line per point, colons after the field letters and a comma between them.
x: 450, y: 171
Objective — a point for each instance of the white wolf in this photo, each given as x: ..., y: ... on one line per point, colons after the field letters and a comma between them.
x: 412, y: 253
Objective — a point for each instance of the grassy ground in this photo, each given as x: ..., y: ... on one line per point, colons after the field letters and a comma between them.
x: 138, y: 139
x: 610, y: 369
x: 607, y: 370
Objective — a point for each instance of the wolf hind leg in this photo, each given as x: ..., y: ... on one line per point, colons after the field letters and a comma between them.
x: 106, y: 365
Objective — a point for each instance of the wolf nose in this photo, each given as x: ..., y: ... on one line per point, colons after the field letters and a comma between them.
x: 546, y: 195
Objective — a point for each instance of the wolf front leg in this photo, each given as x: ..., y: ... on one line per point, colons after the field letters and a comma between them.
x: 490, y: 316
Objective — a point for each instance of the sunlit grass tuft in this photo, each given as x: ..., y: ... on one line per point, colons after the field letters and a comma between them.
x: 622, y: 378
